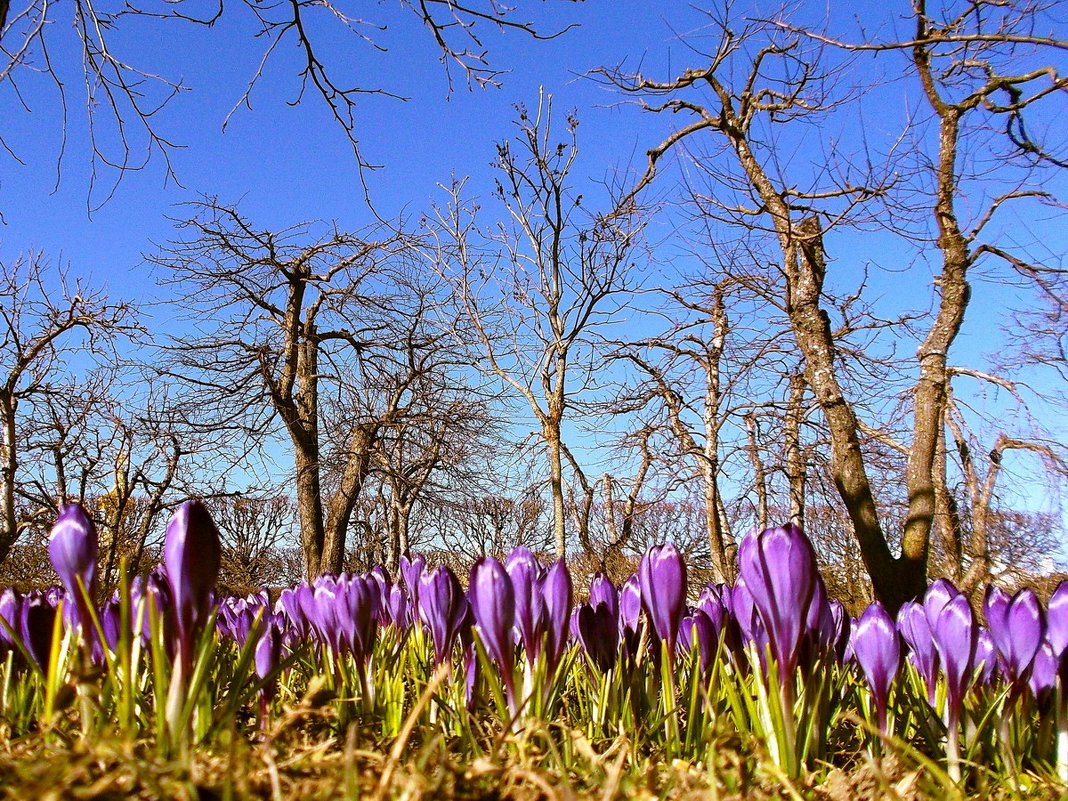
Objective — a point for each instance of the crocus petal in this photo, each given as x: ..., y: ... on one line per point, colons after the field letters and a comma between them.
x: 662, y: 576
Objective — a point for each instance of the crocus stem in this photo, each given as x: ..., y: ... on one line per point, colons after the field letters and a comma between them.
x: 667, y: 688
x: 787, y: 696
x: 1062, y: 737
x: 953, y: 746
x: 176, y: 696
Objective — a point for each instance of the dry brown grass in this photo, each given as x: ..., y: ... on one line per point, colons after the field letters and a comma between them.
x: 303, y: 757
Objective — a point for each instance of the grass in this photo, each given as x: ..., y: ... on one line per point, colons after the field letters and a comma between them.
x: 302, y: 756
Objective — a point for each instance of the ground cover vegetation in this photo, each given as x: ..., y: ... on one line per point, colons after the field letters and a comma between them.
x: 521, y: 383
x: 357, y: 684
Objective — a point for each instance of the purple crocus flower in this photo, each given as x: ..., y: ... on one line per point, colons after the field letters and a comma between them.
x: 526, y: 572
x: 442, y: 608
x: 289, y: 604
x: 37, y: 618
x: 191, y: 556
x: 557, y: 594
x: 662, y: 576
x: 603, y: 591
x: 110, y: 623
x: 1057, y: 619
x: 955, y: 634
x: 72, y: 547
x: 778, y: 567
x: 357, y: 616
x: 1017, y: 626
x: 938, y: 594
x: 324, y: 612
x: 598, y: 633
x: 397, y: 607
x: 1043, y: 678
x: 630, y: 604
x: 268, y: 649
x: 877, y: 649
x: 9, y: 612
x: 986, y: 658
x: 492, y: 600
x: 411, y: 569
x: 152, y: 593
x: 381, y: 585
x: 747, y: 618
x: 916, y: 631
x: 266, y: 658
x: 698, y: 629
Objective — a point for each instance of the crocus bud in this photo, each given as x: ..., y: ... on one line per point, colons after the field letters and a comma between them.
x: 411, y: 569
x: 940, y: 593
x: 358, y: 616
x: 397, y: 606
x: 986, y: 658
x: 877, y: 649
x: 598, y: 633
x: 916, y: 631
x: 191, y: 557
x: 603, y: 591
x: 630, y: 604
x: 778, y: 567
x: 525, y: 572
x: 324, y: 611
x: 1057, y: 618
x: 289, y: 604
x: 750, y: 626
x: 662, y: 575
x: 1017, y: 627
x: 265, y: 659
x: 954, y: 633
x: 1043, y: 678
x: 698, y: 629
x: 37, y: 619
x: 72, y: 547
x: 442, y: 608
x: 557, y: 595
x: 492, y: 602
x: 9, y: 611
x: 268, y: 652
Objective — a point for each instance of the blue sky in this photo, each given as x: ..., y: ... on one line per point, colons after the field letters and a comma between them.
x: 286, y: 164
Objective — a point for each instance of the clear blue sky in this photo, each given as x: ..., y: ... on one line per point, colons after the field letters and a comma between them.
x: 286, y: 164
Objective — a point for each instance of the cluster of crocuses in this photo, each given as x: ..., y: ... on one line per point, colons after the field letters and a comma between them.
x: 775, y: 627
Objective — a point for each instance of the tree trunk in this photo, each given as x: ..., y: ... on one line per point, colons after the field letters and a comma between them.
x: 760, y: 480
x: 339, y: 511
x: 929, y: 402
x: 947, y: 515
x: 895, y: 580
x: 8, y: 469
x: 556, y: 488
x: 796, y: 474
x: 309, y: 508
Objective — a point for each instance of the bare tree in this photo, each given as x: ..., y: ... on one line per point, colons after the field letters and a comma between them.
x: 979, y: 70
x: 330, y: 340
x: 122, y: 98
x: 49, y: 330
x: 254, y: 533
x: 536, y: 290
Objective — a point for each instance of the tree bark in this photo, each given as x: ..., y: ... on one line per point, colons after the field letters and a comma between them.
x: 796, y: 475
x: 760, y: 479
x: 895, y: 580
x: 340, y: 507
